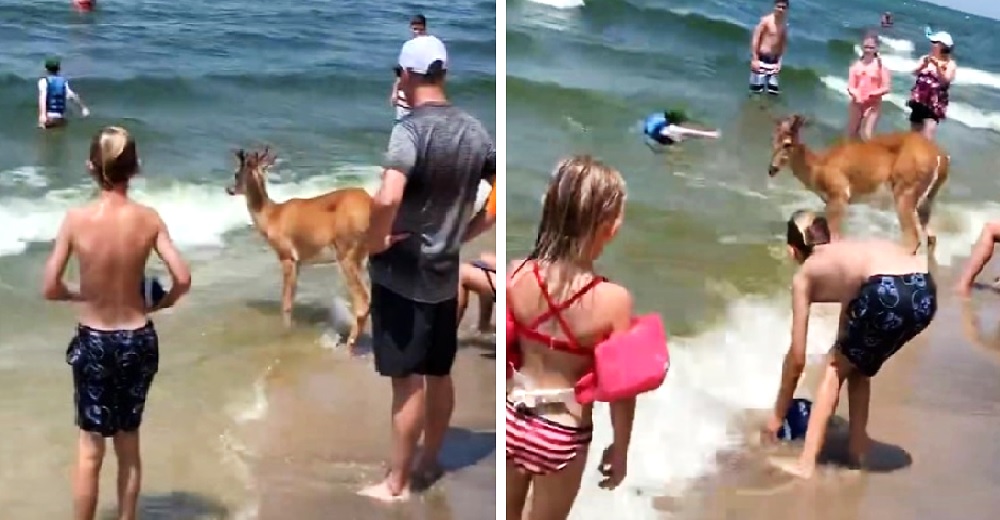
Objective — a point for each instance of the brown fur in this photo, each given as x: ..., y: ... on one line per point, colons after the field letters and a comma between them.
x: 324, y: 229
x: 912, y: 167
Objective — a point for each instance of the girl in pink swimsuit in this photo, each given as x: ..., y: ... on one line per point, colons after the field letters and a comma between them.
x: 868, y: 81
x: 558, y: 310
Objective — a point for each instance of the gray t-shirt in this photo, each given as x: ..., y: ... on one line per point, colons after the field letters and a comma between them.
x: 445, y: 154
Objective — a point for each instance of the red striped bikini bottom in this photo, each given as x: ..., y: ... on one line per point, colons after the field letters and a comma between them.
x: 540, y: 446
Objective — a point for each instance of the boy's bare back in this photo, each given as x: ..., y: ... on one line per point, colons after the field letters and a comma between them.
x: 836, y: 271
x: 112, y: 240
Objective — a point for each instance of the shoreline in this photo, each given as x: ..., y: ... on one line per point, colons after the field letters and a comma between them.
x: 325, y: 434
x: 933, y: 423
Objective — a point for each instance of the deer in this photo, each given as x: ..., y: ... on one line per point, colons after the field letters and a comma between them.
x: 329, y: 228
x: 906, y: 164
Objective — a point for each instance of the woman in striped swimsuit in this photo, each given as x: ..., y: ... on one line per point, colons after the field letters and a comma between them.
x: 558, y: 309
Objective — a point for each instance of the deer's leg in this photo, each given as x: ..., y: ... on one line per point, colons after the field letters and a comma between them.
x: 906, y: 210
x: 836, y: 207
x: 290, y: 272
x: 351, y: 260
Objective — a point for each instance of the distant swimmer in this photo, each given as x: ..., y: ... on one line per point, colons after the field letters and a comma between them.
x: 53, y: 92
x: 767, y: 46
x: 887, y: 296
x: 664, y: 129
x: 84, y: 5
x: 886, y: 20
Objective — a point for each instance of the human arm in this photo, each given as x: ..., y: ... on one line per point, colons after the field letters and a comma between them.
x: 180, y: 273
x: 947, y: 71
x: 400, y: 159
x: 73, y: 96
x: 394, y: 93
x: 755, y: 45
x: 782, y: 47
x: 924, y: 60
x: 885, y: 85
x: 795, y: 358
x: 853, y: 82
x: 674, y: 131
x: 41, y: 103
x: 617, y: 303
x: 53, y: 286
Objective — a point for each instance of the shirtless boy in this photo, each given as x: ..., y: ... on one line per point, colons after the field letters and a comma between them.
x: 767, y: 46
x: 114, y: 354
x: 982, y: 252
x: 887, y: 297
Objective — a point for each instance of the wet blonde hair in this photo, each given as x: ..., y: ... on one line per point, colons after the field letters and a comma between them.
x: 807, y: 230
x: 113, y: 156
x: 584, y: 193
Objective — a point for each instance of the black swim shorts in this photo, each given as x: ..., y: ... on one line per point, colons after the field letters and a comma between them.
x: 112, y: 373
x: 888, y: 312
x: 411, y: 337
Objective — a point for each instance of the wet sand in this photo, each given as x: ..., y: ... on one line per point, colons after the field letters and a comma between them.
x: 934, y: 425
x: 325, y: 435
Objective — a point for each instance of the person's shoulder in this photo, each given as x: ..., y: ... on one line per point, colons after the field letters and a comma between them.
x: 612, y: 295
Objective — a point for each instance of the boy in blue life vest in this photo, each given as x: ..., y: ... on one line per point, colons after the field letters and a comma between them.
x: 53, y: 92
x: 664, y: 129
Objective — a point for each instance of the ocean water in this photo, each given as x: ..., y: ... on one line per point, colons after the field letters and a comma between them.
x: 702, y: 242
x: 192, y: 81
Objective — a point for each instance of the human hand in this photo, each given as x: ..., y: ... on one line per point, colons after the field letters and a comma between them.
x: 776, y: 69
x: 613, y: 467
x: 769, y: 432
x: 755, y: 65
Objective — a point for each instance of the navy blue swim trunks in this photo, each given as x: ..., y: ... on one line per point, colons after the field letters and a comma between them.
x: 112, y: 373
x: 888, y: 312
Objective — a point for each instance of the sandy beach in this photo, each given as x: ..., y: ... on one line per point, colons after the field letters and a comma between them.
x: 934, y: 420
x: 325, y: 434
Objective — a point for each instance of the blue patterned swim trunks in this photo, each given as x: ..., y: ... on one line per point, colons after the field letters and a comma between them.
x: 888, y: 312
x: 112, y: 373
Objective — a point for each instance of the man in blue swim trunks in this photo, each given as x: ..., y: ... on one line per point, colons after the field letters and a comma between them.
x: 887, y: 298
x: 53, y: 93
x: 767, y: 46
x: 664, y: 129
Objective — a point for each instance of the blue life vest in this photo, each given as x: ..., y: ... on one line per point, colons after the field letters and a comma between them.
x: 655, y: 124
x: 55, y: 94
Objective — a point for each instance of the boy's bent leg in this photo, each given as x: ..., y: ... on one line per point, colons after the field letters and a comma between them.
x: 440, y: 388
x: 859, y: 391
x: 87, y: 477
x: 129, y: 473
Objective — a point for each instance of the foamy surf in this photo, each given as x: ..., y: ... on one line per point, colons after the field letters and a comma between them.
x: 559, y: 4
x: 679, y: 428
x: 968, y: 115
x: 198, y: 215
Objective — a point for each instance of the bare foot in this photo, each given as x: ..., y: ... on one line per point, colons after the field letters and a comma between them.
x: 792, y: 467
x: 383, y: 492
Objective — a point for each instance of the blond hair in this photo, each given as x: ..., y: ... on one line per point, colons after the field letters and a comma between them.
x: 807, y: 230
x: 583, y: 194
x: 113, y: 156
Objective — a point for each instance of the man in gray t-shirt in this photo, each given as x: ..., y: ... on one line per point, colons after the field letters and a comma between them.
x: 437, y: 157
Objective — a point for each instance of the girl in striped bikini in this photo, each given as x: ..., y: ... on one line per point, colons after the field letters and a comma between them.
x: 559, y: 308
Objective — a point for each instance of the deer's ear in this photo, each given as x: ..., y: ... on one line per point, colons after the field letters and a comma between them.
x: 799, y: 121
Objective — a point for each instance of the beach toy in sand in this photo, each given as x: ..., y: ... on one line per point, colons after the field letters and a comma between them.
x: 152, y: 291
x: 796, y: 420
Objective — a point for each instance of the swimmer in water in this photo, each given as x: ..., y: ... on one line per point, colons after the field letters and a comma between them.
x: 887, y: 297
x: 53, y: 92
x: 767, y: 46
x: 112, y: 239
x: 886, y: 20
x: 561, y: 309
x: 664, y: 129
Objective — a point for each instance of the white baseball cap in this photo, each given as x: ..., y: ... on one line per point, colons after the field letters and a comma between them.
x: 941, y: 37
x: 420, y: 54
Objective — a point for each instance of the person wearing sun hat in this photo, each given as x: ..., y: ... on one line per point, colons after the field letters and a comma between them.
x: 53, y: 92
x: 935, y: 74
x: 421, y: 215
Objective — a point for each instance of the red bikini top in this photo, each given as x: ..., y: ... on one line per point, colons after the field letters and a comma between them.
x: 516, y: 330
